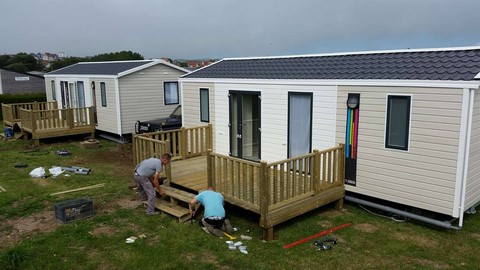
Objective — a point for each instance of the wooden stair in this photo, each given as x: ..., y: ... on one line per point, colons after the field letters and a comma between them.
x: 175, y: 203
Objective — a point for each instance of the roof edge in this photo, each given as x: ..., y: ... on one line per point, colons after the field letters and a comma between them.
x: 359, y: 53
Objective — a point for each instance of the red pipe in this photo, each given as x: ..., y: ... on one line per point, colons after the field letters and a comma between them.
x: 316, y: 235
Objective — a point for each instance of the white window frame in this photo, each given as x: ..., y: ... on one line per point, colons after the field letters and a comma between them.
x: 167, y: 95
x: 408, y: 133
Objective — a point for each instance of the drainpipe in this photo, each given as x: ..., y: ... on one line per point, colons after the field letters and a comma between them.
x: 443, y: 224
x: 466, y: 156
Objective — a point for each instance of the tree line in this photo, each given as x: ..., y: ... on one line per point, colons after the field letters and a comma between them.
x: 24, y: 62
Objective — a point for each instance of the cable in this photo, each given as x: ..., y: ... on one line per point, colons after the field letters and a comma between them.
x: 393, y: 217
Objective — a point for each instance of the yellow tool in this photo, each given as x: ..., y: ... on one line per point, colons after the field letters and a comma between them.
x: 229, y: 236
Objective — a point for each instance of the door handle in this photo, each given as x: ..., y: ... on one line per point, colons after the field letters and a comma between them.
x: 239, y: 136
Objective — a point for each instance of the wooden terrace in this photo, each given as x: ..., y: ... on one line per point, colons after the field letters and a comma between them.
x: 45, y: 120
x: 277, y: 191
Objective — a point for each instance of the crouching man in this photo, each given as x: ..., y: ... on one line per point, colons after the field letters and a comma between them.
x: 214, y: 220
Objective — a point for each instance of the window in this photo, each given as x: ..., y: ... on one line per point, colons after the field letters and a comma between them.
x: 54, y: 93
x: 398, y: 122
x: 103, y: 93
x: 171, y: 92
x: 204, y: 106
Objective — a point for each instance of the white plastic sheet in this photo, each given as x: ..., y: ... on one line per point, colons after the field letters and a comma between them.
x: 38, y: 172
x: 56, y: 171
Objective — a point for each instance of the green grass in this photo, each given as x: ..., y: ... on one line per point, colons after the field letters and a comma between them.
x: 370, y: 242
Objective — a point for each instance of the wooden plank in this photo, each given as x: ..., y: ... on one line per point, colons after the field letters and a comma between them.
x: 177, y: 193
x: 175, y: 210
x: 79, y: 189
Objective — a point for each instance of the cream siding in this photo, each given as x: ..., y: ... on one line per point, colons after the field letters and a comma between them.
x: 106, y: 116
x: 274, y: 115
x: 191, y: 103
x: 48, y: 88
x: 472, y: 196
x: 425, y: 175
x: 142, y: 95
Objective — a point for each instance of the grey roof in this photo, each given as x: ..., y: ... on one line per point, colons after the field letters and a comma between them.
x: 459, y: 64
x: 99, y: 68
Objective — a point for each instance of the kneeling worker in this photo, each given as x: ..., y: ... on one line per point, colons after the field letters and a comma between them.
x: 214, y: 218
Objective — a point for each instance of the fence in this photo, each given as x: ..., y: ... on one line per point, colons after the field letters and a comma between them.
x: 11, y: 112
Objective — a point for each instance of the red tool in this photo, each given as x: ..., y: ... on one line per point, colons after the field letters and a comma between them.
x: 316, y: 235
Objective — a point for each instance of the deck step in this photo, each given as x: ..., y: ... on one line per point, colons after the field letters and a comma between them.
x: 175, y: 203
x: 173, y: 209
x: 177, y: 194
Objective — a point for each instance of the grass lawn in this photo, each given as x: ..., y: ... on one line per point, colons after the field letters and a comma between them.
x: 31, y: 238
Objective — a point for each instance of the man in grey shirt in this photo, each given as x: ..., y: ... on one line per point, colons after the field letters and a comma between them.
x: 146, y: 177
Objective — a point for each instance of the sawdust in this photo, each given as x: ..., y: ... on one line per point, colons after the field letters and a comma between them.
x: 365, y: 227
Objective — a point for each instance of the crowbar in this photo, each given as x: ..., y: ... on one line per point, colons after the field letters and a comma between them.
x: 316, y: 235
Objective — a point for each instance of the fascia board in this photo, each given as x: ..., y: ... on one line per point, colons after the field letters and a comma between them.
x: 412, y: 83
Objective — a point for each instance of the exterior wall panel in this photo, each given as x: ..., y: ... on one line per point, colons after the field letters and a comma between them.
x: 425, y: 175
x: 142, y: 95
x: 472, y: 195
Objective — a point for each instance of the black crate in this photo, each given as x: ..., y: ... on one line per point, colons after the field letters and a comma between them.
x: 72, y: 210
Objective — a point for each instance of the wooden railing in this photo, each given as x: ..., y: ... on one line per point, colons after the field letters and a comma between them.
x: 279, y: 190
x: 239, y: 180
x: 58, y: 119
x: 11, y: 112
x: 183, y: 143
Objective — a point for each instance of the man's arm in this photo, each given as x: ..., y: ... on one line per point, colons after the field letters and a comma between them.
x: 156, y: 183
x: 191, y: 205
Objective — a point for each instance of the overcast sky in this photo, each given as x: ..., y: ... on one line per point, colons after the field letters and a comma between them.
x: 234, y: 28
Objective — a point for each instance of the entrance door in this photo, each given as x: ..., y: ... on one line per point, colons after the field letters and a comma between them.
x: 299, y: 124
x: 245, y: 125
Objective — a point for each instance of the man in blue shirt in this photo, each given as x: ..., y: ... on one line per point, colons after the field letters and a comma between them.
x: 214, y: 218
x: 146, y: 176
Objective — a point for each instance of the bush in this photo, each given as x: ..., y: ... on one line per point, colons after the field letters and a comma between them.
x: 22, y: 98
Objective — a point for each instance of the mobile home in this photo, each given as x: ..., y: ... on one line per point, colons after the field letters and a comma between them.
x: 409, y: 119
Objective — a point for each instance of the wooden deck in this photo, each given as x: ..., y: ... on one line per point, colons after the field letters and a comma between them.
x: 190, y: 173
x: 277, y: 191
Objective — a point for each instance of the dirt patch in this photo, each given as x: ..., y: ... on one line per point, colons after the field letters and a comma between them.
x: 331, y: 213
x: 14, y: 230
x: 365, y: 227
x: 432, y: 264
x: 476, y: 236
x: 325, y: 224
x: 104, y: 230
x: 127, y: 203
x: 417, y: 240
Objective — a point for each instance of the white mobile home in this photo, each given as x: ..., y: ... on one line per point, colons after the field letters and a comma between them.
x: 411, y: 126
x: 121, y: 92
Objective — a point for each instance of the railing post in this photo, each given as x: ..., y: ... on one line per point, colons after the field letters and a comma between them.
x: 316, y: 171
x: 210, y: 137
x: 210, y: 168
x: 264, y: 196
x: 70, y: 118
x: 183, y: 143
x: 341, y: 165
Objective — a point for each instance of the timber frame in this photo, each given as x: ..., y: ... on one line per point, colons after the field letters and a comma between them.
x: 45, y: 120
x: 277, y: 191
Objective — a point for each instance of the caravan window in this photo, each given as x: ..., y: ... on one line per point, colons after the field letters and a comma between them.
x: 170, y: 93
x: 398, y: 122
x: 204, y: 105
x: 103, y: 94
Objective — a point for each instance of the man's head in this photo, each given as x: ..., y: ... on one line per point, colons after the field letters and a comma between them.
x: 166, y: 158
